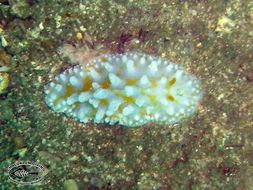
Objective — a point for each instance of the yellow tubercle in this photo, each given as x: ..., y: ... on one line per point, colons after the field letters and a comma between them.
x: 105, y: 84
x: 128, y: 100
x: 170, y: 98
x: 171, y: 82
x: 69, y: 91
x: 131, y: 82
x: 104, y: 102
x: 87, y: 84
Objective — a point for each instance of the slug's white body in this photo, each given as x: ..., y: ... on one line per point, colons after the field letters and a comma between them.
x: 131, y: 89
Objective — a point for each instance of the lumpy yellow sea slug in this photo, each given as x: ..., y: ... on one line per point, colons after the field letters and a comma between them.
x: 129, y: 89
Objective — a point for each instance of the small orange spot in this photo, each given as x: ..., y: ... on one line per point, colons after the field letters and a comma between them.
x: 170, y: 98
x: 69, y: 91
x: 104, y: 102
x: 131, y: 82
x: 105, y: 84
x: 129, y: 100
x: 87, y: 84
x: 171, y: 82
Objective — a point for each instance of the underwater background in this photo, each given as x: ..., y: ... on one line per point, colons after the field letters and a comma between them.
x: 213, y: 149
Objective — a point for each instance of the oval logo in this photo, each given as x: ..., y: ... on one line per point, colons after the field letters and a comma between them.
x: 26, y: 173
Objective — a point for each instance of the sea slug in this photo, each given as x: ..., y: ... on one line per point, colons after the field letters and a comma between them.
x: 129, y: 89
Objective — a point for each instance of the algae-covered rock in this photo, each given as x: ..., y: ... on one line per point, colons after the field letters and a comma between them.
x: 20, y: 8
x: 4, y: 81
x: 19, y: 142
x: 51, y: 159
x: 70, y: 184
